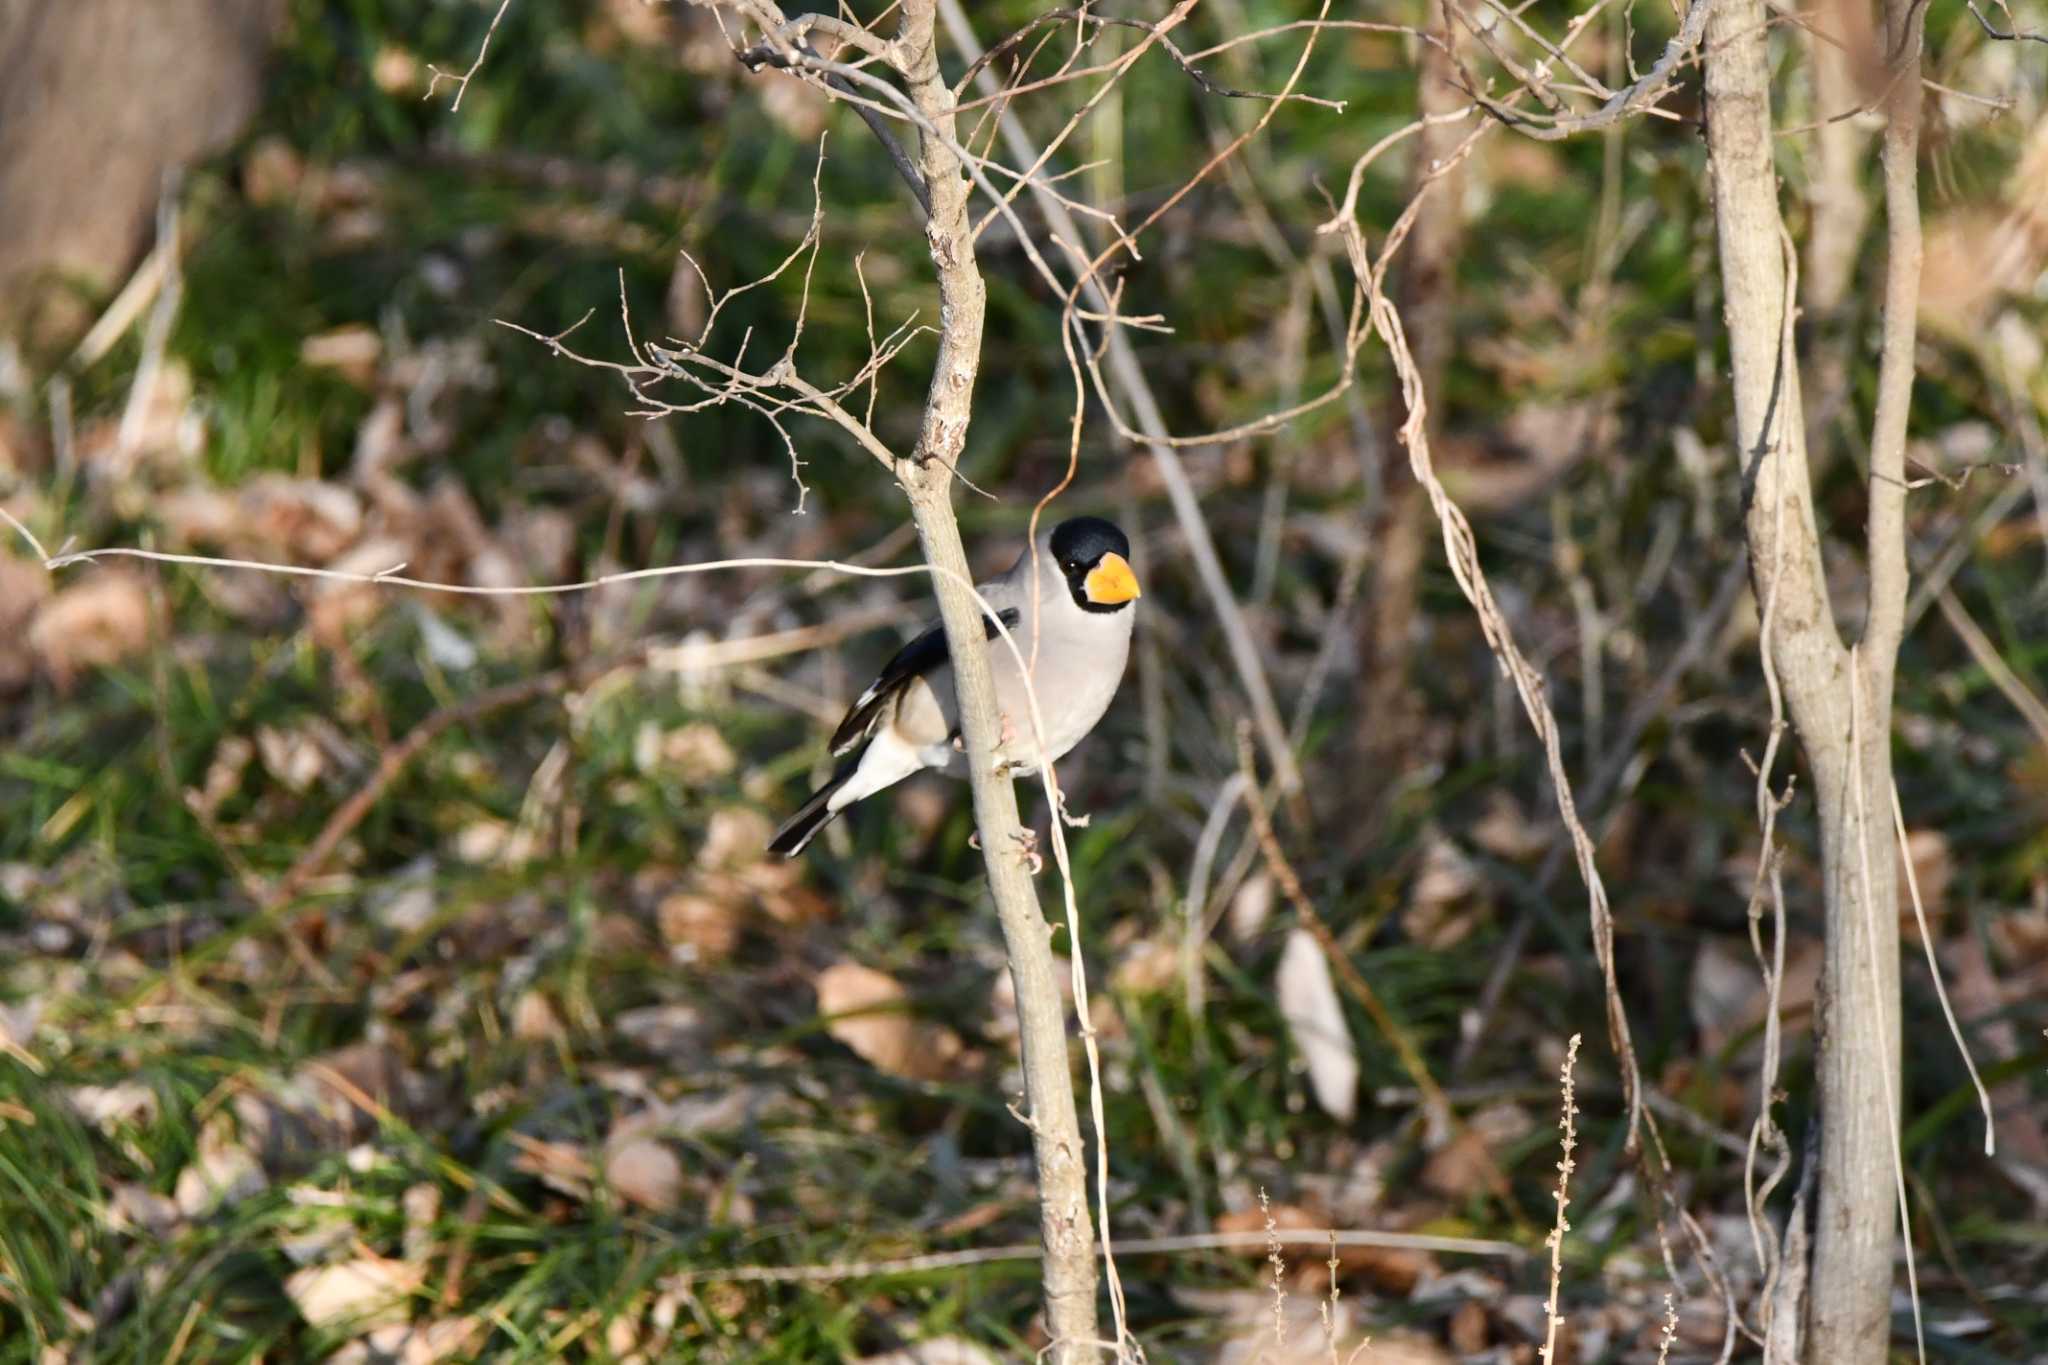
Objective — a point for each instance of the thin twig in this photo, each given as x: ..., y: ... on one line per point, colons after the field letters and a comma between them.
x: 764, y: 55
x: 2008, y: 682
x: 2014, y: 34
x: 1934, y: 970
x: 1125, y: 1246
x: 1636, y: 98
x: 462, y: 81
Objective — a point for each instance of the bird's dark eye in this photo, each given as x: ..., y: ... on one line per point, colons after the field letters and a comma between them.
x: 1070, y: 565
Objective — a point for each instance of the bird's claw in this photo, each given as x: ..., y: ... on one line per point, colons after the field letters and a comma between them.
x: 1002, y: 761
x: 1027, y: 848
x: 1006, y: 735
x: 1027, y: 845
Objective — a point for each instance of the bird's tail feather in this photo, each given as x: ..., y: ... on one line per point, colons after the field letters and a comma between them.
x: 815, y: 813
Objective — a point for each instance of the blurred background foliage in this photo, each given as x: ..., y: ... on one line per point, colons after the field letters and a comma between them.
x: 541, y: 1034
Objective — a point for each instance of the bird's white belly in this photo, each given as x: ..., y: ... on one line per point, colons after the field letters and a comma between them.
x: 1068, y: 718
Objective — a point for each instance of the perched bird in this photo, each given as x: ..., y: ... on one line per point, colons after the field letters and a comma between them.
x: 1069, y: 608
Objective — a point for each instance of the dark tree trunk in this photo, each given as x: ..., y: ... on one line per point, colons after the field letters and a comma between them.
x: 98, y: 98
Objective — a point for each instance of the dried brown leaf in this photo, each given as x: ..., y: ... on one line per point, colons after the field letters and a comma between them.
x: 544, y: 540
x: 138, y: 1209
x: 698, y: 752
x: 2021, y: 938
x: 1468, y: 1329
x: 338, y: 608
x: 110, y: 1108
x: 359, y: 1292
x: 737, y: 836
x: 352, y: 351
x: 422, y: 1206
x: 306, y: 521
x: 563, y: 1166
x: 160, y: 427
x: 1465, y: 1166
x: 778, y: 891
x: 1933, y: 869
x: 272, y: 172
x: 1505, y: 830
x: 534, y: 1019
x: 426, y: 1343
x: 1447, y: 901
x: 645, y: 1172
x: 698, y: 928
x: 99, y: 620
x: 223, y: 775
x: 1728, y: 996
x: 670, y: 1030
x: 1390, y: 1270
x: 23, y: 587
x: 867, y: 1011
x: 1147, y: 967
x: 224, y: 1173
x: 22, y: 448
x: 295, y: 758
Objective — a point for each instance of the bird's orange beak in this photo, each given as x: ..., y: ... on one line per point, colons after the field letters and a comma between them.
x: 1111, y: 581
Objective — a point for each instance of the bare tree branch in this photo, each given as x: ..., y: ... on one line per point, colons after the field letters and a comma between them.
x: 1887, y: 525
x: 1637, y: 97
x: 2013, y: 34
x: 1129, y: 1246
x: 782, y: 50
x: 437, y: 75
x: 926, y: 476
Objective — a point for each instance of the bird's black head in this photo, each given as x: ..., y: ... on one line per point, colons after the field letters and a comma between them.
x: 1095, y: 559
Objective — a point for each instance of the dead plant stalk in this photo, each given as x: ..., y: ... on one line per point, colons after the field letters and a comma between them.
x: 1568, y: 1141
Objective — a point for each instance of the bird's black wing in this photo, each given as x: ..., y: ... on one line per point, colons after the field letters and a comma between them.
x: 913, y: 661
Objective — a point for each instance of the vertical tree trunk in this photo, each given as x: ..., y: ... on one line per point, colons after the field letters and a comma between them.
x: 1842, y: 57
x: 1840, y: 45
x: 97, y: 99
x: 1068, y: 1270
x: 1423, y: 289
x: 1840, y: 700
x: 1849, y: 1284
